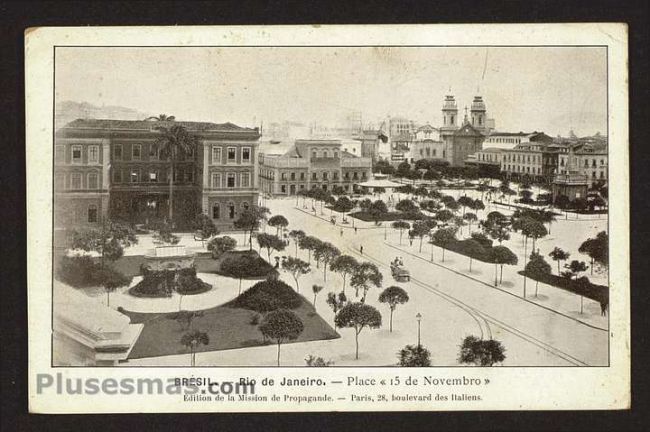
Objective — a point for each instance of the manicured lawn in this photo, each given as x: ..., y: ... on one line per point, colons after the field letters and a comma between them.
x: 227, y: 328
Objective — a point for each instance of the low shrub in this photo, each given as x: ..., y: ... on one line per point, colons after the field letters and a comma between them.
x: 250, y: 263
x: 84, y: 271
x: 266, y: 296
x: 482, y: 239
x: 581, y: 286
x: 255, y: 319
x: 164, y: 282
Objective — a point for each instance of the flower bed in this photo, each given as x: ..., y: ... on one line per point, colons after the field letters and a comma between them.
x: 163, y: 283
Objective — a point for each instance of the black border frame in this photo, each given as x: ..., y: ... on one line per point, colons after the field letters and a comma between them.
x: 17, y: 17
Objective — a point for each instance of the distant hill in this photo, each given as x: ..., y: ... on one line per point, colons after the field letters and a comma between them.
x: 67, y: 111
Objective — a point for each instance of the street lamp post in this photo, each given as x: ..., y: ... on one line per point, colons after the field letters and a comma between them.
x: 419, y: 318
x: 385, y: 230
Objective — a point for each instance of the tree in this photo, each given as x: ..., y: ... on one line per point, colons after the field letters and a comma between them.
x: 406, y: 206
x: 401, y: 225
x: 444, y: 215
x: 526, y: 196
x: 403, y: 169
x: 537, y: 268
x: 237, y: 267
x: 470, y: 218
x: 220, y: 245
x: 345, y: 265
x: 281, y: 325
x: 481, y: 352
x: 161, y: 117
x: 444, y: 237
x: 344, y: 204
x: 192, y: 340
x: 111, y: 280
x: 313, y: 361
x: 325, y: 253
x: 310, y: 244
x: 576, y: 267
x: 393, y: 296
x: 205, y: 226
x: 297, y: 236
x: 336, y: 302
x: 377, y: 210
x: 465, y: 202
x: 365, y: 275
x: 278, y: 222
x: 502, y: 255
x: 174, y: 143
x: 420, y: 229
x: 358, y: 316
x: 559, y: 255
x: 478, y: 205
x: 414, y: 356
x: 270, y: 242
x: 249, y: 220
x: 316, y: 289
x: 472, y: 248
x: 109, y: 241
x: 534, y: 229
x: 597, y: 249
x: 296, y: 268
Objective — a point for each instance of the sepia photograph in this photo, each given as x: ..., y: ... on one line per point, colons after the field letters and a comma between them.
x: 331, y: 206
x: 327, y: 218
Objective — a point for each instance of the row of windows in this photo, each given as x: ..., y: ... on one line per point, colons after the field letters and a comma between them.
x: 430, y: 152
x: 324, y: 154
x: 504, y: 140
x: 76, y: 154
x: 230, y: 209
x: 152, y: 150
x: 521, y: 169
x: 244, y: 180
x: 325, y: 175
x: 137, y: 175
x: 231, y: 155
x: 594, y: 174
x: 292, y: 188
x: 75, y: 181
x: 523, y: 158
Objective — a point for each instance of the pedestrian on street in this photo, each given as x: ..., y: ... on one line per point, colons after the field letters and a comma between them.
x: 361, y: 250
x: 355, y: 230
x: 341, y: 232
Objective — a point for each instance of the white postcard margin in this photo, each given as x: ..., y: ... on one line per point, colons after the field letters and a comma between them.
x: 510, y: 388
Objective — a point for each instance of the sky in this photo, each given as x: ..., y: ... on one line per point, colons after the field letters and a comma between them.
x: 552, y: 89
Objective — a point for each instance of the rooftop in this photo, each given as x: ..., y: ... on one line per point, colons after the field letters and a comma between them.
x: 105, y: 124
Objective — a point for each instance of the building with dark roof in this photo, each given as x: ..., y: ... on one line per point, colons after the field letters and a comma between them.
x: 307, y: 164
x: 113, y: 168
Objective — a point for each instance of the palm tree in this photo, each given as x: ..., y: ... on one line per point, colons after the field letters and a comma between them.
x: 174, y: 141
x: 162, y: 117
x: 192, y: 340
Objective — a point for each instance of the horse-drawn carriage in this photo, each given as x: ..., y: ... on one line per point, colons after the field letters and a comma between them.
x: 399, y: 272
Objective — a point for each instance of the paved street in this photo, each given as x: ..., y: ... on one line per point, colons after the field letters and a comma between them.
x: 452, y: 304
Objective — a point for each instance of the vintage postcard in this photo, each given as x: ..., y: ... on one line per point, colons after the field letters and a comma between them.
x: 328, y: 218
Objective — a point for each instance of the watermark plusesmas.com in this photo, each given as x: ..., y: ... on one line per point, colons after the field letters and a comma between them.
x: 48, y: 383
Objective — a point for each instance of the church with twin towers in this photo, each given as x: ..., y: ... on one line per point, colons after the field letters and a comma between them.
x: 463, y: 137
